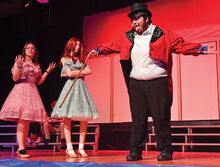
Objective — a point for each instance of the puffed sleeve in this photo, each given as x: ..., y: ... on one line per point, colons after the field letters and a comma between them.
x: 63, y: 70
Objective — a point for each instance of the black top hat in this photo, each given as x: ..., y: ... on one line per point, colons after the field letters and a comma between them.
x: 139, y: 7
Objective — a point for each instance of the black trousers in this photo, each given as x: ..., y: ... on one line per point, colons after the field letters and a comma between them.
x: 150, y: 98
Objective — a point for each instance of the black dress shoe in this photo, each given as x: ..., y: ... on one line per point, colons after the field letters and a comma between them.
x: 165, y: 156
x: 134, y: 156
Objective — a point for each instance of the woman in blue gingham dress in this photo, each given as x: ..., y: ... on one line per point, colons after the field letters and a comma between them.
x: 78, y: 105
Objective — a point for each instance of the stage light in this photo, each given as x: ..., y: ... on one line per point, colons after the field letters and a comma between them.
x: 42, y: 1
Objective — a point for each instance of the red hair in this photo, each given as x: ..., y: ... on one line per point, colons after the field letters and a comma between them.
x: 71, y: 44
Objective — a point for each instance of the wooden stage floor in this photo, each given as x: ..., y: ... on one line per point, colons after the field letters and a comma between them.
x: 149, y: 157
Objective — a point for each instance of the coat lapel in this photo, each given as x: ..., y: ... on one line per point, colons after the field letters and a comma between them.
x: 156, y: 34
x: 130, y: 35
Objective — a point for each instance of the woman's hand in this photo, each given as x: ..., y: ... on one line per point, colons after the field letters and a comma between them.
x: 19, y: 60
x: 51, y: 67
x: 44, y: 76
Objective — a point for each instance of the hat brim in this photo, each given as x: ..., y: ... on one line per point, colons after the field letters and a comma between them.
x: 132, y: 13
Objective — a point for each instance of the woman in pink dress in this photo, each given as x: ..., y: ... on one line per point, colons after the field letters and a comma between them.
x: 24, y: 104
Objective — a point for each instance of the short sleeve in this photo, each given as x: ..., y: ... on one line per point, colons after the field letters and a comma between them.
x: 63, y: 70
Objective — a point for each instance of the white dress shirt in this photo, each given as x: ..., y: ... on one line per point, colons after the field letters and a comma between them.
x: 144, y: 67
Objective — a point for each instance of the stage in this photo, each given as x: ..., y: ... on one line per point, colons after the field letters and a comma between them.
x: 109, y: 158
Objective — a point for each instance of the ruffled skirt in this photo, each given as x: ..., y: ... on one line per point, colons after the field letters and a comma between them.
x: 23, y: 102
x: 78, y: 105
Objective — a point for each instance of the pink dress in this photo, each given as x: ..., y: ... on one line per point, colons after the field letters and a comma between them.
x: 24, y: 101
